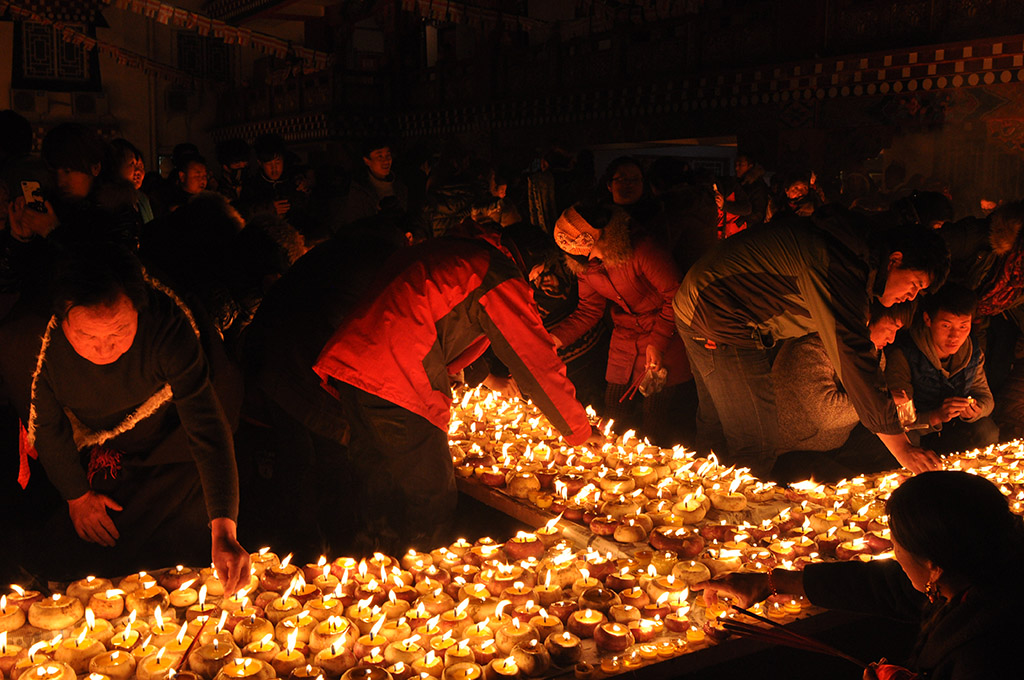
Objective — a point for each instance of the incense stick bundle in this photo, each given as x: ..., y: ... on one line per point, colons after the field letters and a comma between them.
x: 779, y: 634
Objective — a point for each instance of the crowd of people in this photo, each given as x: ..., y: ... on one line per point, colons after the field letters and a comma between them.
x: 256, y: 328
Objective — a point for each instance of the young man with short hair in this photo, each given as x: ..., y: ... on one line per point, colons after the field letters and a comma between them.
x: 377, y: 189
x: 941, y: 369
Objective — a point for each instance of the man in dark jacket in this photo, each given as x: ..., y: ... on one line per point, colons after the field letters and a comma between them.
x: 436, y: 308
x: 377, y: 189
x: 988, y: 257
x: 122, y: 376
x: 751, y: 177
x: 799, y: 277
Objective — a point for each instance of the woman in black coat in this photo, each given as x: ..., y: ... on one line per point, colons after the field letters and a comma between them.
x: 958, y: 550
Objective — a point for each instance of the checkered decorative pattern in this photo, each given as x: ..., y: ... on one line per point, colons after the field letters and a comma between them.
x: 70, y: 11
x: 791, y: 86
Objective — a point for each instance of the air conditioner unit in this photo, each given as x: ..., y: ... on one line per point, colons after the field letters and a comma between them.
x: 89, y: 104
x: 30, y: 101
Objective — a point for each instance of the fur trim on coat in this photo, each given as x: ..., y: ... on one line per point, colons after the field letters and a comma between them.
x: 616, y: 244
x: 1003, y: 232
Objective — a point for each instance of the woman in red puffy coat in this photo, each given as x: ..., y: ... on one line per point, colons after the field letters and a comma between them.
x: 632, y: 271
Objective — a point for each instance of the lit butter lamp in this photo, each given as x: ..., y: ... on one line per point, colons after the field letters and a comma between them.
x: 466, y: 670
x: 251, y: 628
x: 400, y: 671
x: 564, y: 648
x: 459, y: 653
x: 430, y: 663
x: 23, y: 598
x: 56, y: 613
x: 303, y: 622
x: 514, y: 633
x: 116, y: 665
x: 245, y: 669
x: 330, y: 631
x: 532, y: 658
x: 335, y: 660
x: 207, y: 660
x: 12, y: 617
x: 264, y: 649
x: 9, y: 655
x: 50, y: 670
x: 128, y: 636
x: 108, y: 604
x: 366, y: 672
x: 85, y: 588
x: 612, y: 637
x: 156, y: 667
x: 406, y: 651
x: 78, y: 652
x: 373, y: 640
x: 306, y: 672
x: 201, y: 608
x: 502, y: 669
x: 288, y: 660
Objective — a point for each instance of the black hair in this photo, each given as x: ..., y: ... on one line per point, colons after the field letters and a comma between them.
x: 232, y: 151
x: 121, y: 150
x: 73, y: 146
x: 1008, y: 218
x: 959, y: 522
x: 902, y: 312
x: 182, y: 153
x: 953, y: 298
x: 268, y: 147
x: 15, y: 134
x: 618, y: 163
x: 597, y: 214
x: 97, y: 274
x: 923, y: 250
x: 188, y: 160
x: 372, y: 144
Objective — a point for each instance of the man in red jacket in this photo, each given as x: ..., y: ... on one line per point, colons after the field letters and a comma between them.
x: 435, y: 310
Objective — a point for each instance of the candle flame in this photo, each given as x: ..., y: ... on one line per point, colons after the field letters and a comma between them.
x: 222, y: 622
x: 81, y: 637
x: 18, y: 589
x: 202, y: 597
x: 180, y: 637
x: 292, y: 638
x: 375, y: 630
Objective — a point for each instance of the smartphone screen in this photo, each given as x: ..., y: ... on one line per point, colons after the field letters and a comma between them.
x: 33, y: 194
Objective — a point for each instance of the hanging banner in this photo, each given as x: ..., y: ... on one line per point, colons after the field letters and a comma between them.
x: 166, y: 13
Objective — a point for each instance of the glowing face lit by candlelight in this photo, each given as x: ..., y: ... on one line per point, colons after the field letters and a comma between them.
x: 902, y: 285
x: 918, y: 570
x: 102, y: 333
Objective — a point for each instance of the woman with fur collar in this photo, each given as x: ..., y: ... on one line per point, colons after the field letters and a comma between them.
x: 616, y: 264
